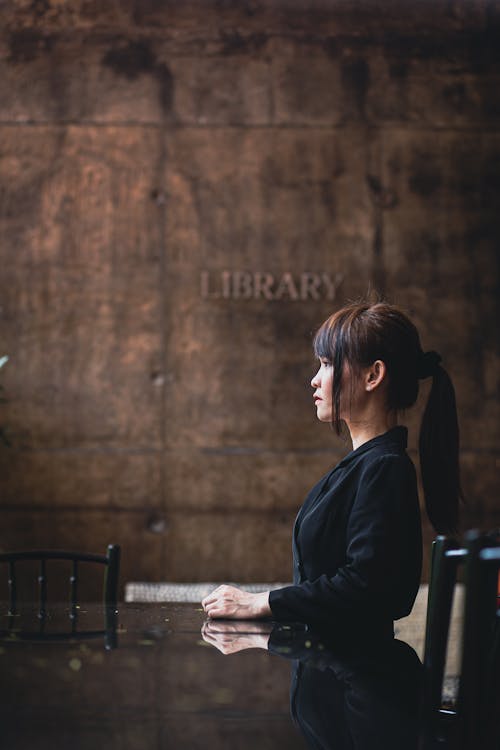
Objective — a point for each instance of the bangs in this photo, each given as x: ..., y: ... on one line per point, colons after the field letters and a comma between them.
x: 323, y: 343
x: 329, y: 344
x: 333, y: 338
x: 336, y: 341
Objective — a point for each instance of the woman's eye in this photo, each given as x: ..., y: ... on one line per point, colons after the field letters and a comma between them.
x: 325, y: 362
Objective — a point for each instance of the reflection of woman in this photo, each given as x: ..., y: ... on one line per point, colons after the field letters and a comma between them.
x: 354, y: 699
x: 357, y: 537
x: 344, y: 695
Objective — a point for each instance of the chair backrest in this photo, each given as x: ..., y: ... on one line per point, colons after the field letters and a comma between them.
x: 439, y: 604
x: 479, y: 694
x: 479, y: 636
x: 110, y: 561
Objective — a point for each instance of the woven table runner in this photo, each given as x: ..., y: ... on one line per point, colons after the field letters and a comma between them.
x: 186, y: 592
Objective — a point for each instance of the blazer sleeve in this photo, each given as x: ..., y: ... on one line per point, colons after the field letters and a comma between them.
x: 383, y: 553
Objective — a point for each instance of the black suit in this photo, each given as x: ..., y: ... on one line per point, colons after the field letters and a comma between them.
x: 357, y: 543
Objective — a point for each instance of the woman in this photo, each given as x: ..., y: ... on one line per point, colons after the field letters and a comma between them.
x: 357, y: 538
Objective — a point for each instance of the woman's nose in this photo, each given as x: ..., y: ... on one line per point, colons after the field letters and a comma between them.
x: 315, y: 380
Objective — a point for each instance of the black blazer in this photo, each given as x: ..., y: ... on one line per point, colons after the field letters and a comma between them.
x: 357, y: 543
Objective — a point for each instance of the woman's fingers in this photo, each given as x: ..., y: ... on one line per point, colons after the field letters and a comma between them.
x: 215, y: 612
x: 209, y: 599
x: 223, y: 609
x: 218, y: 593
x: 233, y: 603
x: 223, y: 601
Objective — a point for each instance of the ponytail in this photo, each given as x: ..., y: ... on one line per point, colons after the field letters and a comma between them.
x: 439, y: 447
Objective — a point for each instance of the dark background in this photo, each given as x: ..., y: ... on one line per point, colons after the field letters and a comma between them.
x: 143, y: 142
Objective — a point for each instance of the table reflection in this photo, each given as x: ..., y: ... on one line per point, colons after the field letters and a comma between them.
x: 346, y: 693
x: 176, y: 680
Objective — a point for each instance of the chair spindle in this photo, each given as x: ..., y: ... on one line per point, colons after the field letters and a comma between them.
x: 12, y: 587
x: 42, y: 581
x: 74, y: 587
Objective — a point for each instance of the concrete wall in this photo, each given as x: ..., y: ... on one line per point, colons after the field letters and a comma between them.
x: 187, y: 191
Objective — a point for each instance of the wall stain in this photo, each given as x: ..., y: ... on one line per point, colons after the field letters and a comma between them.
x: 456, y: 95
x: 398, y: 70
x: 28, y: 44
x: 131, y: 60
x: 378, y: 268
x: 424, y: 248
x: 381, y: 195
x: 40, y: 8
x: 433, y: 247
x: 474, y: 51
x: 331, y: 47
x: 425, y: 177
x: 137, y: 58
x: 327, y: 195
x: 166, y: 86
x: 355, y: 76
x: 235, y: 43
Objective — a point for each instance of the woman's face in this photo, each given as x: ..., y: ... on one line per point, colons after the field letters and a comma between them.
x: 322, y: 383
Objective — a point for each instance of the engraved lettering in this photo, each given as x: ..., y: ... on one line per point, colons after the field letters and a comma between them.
x: 226, y: 284
x: 309, y: 285
x: 262, y: 285
x: 242, y: 285
x: 205, y: 286
x: 287, y: 287
x: 331, y: 286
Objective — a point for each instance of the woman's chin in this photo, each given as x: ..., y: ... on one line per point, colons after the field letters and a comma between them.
x: 324, y: 415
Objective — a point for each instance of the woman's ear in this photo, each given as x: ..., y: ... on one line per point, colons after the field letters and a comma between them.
x: 375, y: 375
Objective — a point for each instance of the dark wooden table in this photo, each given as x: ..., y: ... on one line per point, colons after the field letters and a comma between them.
x: 152, y: 680
x: 163, y: 686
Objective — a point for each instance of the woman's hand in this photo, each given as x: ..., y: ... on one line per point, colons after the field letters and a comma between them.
x: 229, y: 602
x: 230, y: 638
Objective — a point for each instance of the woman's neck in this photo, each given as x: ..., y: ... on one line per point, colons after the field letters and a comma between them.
x: 363, y: 430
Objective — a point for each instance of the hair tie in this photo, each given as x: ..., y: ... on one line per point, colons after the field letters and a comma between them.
x: 427, y: 364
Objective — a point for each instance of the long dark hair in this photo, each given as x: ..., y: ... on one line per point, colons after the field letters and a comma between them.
x: 361, y: 333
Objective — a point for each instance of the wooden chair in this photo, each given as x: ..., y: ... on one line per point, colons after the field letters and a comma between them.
x: 111, y: 563
x: 465, y: 726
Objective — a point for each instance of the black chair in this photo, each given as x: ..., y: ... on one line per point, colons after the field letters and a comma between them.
x: 479, y: 696
x: 465, y: 725
x: 111, y: 563
x: 439, y: 605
